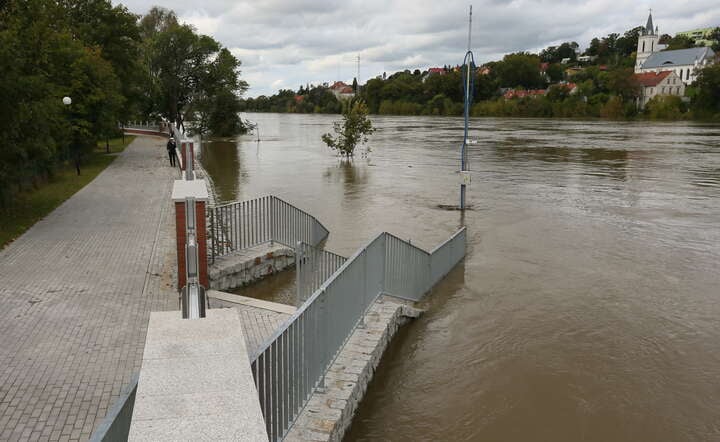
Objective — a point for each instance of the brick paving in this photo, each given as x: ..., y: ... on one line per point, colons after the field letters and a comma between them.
x: 76, y: 292
x: 258, y: 324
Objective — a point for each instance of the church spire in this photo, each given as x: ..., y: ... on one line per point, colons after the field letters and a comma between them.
x: 649, y: 28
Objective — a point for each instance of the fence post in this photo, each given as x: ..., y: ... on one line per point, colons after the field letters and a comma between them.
x: 383, y: 289
x: 364, y: 289
x: 298, y: 277
x: 322, y: 341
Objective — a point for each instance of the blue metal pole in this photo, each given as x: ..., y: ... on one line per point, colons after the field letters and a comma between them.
x: 467, y: 86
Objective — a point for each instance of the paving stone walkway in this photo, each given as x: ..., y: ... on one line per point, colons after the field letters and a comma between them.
x: 76, y: 291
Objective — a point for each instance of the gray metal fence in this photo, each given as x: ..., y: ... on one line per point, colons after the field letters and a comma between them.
x: 411, y: 271
x: 293, y: 363
x: 240, y: 225
x: 313, y: 266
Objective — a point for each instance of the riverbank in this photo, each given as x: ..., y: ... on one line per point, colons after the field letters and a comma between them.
x: 30, y: 206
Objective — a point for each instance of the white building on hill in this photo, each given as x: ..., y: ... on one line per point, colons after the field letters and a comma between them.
x: 651, y: 56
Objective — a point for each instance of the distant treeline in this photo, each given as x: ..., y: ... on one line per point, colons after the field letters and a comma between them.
x: 603, y: 86
x: 115, y: 66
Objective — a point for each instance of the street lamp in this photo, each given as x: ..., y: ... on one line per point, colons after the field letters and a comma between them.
x: 67, y: 101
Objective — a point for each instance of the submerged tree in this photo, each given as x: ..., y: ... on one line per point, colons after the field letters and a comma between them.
x: 353, y: 129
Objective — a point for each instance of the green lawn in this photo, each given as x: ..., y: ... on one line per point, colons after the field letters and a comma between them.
x: 31, y: 206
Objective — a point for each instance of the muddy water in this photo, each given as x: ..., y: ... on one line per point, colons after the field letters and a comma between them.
x: 588, y: 307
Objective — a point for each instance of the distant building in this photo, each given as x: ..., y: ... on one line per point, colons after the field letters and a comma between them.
x: 342, y: 91
x: 587, y: 58
x: 436, y: 71
x: 651, y: 56
x: 701, y: 37
x: 653, y: 84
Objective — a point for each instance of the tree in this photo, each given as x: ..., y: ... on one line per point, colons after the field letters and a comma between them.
x: 665, y: 107
x: 681, y: 42
x: 42, y: 59
x: 353, y: 129
x: 520, y: 69
x: 555, y: 73
x: 622, y: 82
x: 715, y: 38
x: 707, y: 100
x: 627, y: 44
x: 115, y: 33
x: 214, y: 104
x: 594, y: 48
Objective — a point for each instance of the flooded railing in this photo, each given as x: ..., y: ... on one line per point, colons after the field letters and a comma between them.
x: 293, y: 363
x: 313, y: 266
x: 411, y: 271
x: 241, y: 225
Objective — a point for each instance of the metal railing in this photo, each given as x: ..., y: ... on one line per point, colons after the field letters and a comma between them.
x: 293, y: 363
x: 411, y: 271
x: 143, y: 125
x: 313, y: 266
x: 240, y: 225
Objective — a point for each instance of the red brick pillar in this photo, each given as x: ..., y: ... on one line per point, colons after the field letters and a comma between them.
x: 182, y: 154
x: 181, y: 240
x: 186, y: 147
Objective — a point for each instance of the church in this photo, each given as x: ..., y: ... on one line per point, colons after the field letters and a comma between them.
x: 652, y: 56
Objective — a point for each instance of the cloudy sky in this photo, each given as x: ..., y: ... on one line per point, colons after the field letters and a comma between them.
x: 286, y: 43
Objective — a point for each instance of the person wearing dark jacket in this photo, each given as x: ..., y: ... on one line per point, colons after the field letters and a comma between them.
x: 171, y: 146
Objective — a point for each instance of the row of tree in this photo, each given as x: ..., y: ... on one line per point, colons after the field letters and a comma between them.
x: 115, y: 66
x: 606, y: 86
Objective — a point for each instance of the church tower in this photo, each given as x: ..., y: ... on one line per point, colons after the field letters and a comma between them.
x: 648, y: 41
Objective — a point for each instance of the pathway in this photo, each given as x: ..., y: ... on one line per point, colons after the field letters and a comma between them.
x: 76, y: 292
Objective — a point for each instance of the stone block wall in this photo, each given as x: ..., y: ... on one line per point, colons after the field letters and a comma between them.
x: 250, y: 265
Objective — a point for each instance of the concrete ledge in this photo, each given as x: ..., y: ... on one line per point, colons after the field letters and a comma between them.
x: 195, y: 381
x: 189, y: 189
x: 249, y: 265
x: 252, y: 302
x: 329, y: 414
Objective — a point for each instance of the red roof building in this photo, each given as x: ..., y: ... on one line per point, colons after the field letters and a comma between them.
x: 651, y: 79
x: 653, y: 84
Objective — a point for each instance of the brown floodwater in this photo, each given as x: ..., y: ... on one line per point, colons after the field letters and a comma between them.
x: 588, y: 306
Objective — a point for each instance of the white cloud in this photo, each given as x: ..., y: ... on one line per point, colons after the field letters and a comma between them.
x: 286, y: 43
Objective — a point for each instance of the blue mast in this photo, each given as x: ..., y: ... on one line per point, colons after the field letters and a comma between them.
x: 469, y: 67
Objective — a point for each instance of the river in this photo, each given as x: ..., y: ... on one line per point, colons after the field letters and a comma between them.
x: 588, y: 306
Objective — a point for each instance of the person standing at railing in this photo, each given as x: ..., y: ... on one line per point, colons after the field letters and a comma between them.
x: 171, y: 148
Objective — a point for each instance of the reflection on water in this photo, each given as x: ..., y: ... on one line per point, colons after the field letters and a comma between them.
x: 278, y: 288
x: 220, y: 160
x: 587, y: 306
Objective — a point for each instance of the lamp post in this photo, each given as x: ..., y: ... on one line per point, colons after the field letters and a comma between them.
x: 67, y: 101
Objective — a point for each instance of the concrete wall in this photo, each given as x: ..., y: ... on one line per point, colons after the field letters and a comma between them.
x: 329, y: 413
x: 250, y: 265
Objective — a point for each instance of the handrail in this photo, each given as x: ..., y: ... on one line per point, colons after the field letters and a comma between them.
x: 313, y: 266
x: 292, y: 364
x: 243, y: 224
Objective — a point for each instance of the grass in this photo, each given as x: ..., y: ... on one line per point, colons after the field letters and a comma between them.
x: 31, y: 206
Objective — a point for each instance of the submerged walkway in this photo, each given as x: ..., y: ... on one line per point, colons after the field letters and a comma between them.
x: 76, y: 292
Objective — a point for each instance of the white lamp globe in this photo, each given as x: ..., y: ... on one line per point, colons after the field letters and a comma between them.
x: 67, y: 101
